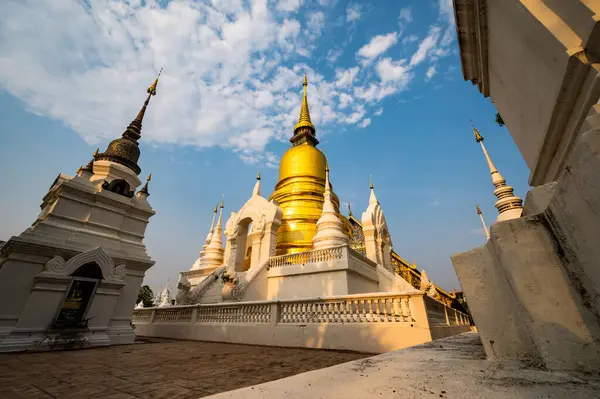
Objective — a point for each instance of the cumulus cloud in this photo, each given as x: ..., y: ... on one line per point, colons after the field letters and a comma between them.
x: 232, y: 74
x: 288, y: 5
x: 345, y: 77
x: 365, y: 122
x: 378, y: 45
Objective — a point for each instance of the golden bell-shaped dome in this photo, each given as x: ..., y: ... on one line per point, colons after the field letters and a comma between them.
x: 299, y: 191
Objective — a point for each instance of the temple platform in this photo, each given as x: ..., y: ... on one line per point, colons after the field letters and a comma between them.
x: 453, y: 367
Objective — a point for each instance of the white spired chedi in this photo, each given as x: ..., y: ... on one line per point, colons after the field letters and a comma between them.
x: 290, y: 275
x: 72, y: 278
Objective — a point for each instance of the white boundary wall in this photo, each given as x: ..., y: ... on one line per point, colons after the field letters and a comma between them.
x: 373, y: 323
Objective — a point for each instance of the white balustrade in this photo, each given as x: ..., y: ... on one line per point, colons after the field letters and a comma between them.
x: 355, y: 309
x: 174, y: 314
x: 141, y: 316
x: 243, y: 313
x: 303, y: 258
x: 380, y: 309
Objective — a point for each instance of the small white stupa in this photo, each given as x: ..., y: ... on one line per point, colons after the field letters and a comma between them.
x: 330, y: 231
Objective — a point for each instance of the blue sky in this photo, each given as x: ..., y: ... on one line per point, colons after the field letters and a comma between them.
x: 385, y: 92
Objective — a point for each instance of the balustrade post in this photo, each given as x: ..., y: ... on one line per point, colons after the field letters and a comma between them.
x: 446, y: 314
x: 274, y: 313
x: 152, y: 316
x: 194, y: 315
x: 419, y: 310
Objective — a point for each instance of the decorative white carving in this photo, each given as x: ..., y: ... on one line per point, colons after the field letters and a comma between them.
x: 183, y: 289
x: 118, y: 273
x: 55, y: 265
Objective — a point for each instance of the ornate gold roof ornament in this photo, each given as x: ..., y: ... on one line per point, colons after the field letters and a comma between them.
x: 79, y: 170
x: 258, y: 177
x: 478, y: 137
x: 478, y: 209
x: 349, y: 209
x: 125, y: 150
x: 304, y: 131
x: 222, y: 201
x: 145, y: 188
x: 371, y: 182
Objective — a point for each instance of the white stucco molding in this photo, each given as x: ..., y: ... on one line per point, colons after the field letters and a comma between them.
x: 58, y: 267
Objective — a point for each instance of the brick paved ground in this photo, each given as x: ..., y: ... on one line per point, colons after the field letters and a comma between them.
x: 156, y: 368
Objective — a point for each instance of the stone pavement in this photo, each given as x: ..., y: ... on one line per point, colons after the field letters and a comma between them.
x: 156, y: 368
x: 453, y: 367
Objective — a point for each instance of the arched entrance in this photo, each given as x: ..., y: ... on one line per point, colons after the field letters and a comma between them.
x: 251, y: 234
x: 79, y: 295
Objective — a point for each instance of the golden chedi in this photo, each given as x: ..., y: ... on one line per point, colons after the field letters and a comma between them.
x: 299, y: 191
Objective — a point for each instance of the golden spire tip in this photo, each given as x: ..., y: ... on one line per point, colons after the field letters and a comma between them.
x: 152, y: 89
x: 149, y: 177
x: 305, y: 83
x: 258, y: 176
x: 80, y: 169
x: 216, y: 208
x: 222, y: 201
x: 371, y: 182
x: 96, y: 152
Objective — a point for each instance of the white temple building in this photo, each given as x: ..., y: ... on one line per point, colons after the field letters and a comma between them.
x: 289, y: 273
x: 71, y: 280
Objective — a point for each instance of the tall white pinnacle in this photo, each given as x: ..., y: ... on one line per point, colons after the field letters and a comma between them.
x: 214, y: 251
x: 509, y: 205
x: 212, y: 229
x: 372, y: 198
x: 330, y: 231
x: 256, y: 190
x: 487, y: 232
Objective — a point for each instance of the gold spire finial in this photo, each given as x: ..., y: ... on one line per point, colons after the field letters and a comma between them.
x: 349, y: 209
x: 222, y: 201
x: 371, y: 182
x: 145, y: 188
x: 216, y: 208
x: 80, y: 169
x: 326, y: 166
x: 152, y: 88
x: 478, y: 137
x: 258, y: 176
x: 96, y: 153
x: 304, y: 119
x: 478, y: 209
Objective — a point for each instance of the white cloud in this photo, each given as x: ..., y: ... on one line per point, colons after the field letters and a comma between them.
x: 405, y: 16
x: 390, y: 70
x: 316, y: 23
x: 365, y: 122
x: 231, y: 74
x: 345, y: 77
x: 430, y: 72
x: 447, y: 11
x: 378, y: 45
x: 345, y: 100
x: 333, y: 55
x: 353, y: 12
x: 379, y: 112
x: 289, y: 5
x: 426, y: 46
